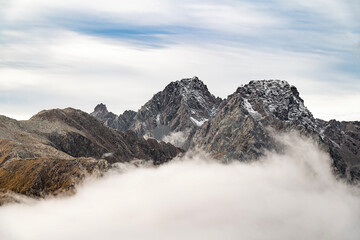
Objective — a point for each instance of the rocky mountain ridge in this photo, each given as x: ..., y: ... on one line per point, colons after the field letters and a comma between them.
x: 240, y: 127
x: 57, y: 148
x: 183, y: 105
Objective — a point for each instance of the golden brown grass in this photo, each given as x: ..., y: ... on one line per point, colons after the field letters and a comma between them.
x: 40, y: 177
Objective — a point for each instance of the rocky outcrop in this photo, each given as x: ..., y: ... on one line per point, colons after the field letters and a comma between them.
x: 57, y: 148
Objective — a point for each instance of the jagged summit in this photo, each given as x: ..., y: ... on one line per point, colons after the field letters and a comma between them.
x: 101, y: 108
x: 110, y: 119
x: 188, y: 89
x: 276, y: 98
x: 101, y: 111
x: 183, y: 105
x: 189, y: 85
x: 269, y: 89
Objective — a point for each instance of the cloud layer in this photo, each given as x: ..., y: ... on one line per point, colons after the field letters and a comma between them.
x: 83, y: 53
x: 288, y: 196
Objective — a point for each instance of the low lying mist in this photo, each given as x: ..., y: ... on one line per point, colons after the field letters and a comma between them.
x: 283, y: 196
x: 176, y: 138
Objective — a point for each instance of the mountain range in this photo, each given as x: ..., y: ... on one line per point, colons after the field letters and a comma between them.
x: 56, y: 149
x: 241, y: 126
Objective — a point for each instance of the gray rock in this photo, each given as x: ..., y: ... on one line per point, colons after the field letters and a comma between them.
x: 182, y: 106
x: 243, y: 127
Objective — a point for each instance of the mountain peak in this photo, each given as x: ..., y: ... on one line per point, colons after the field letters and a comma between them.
x: 186, y: 86
x: 276, y: 98
x: 183, y: 104
x: 193, y: 83
x: 100, y: 108
x: 189, y: 81
x: 101, y: 112
x: 270, y: 88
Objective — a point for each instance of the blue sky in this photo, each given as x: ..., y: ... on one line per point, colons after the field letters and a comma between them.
x: 55, y: 54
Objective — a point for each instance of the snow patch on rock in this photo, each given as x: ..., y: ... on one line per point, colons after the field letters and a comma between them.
x: 198, y: 123
x: 250, y: 109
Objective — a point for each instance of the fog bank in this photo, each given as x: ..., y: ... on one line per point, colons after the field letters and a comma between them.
x: 283, y: 196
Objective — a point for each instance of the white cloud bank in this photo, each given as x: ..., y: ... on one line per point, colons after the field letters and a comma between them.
x: 290, y: 196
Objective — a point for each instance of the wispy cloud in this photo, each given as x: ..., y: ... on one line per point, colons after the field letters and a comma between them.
x: 103, y: 48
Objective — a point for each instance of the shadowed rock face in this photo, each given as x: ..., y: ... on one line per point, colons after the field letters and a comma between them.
x: 182, y: 106
x: 57, y: 148
x: 343, y: 139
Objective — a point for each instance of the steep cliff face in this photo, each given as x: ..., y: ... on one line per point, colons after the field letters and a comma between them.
x: 182, y: 106
x: 56, y: 149
x: 343, y: 139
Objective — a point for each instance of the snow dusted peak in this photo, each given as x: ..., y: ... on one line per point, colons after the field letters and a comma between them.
x: 276, y: 98
x: 270, y: 88
x: 192, y: 83
x: 182, y: 106
x: 187, y: 86
x: 194, y: 95
x: 200, y: 102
